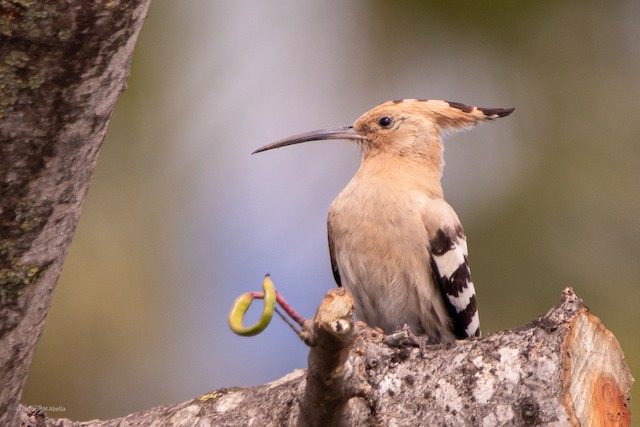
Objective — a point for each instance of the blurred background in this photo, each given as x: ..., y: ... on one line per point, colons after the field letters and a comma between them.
x: 181, y: 219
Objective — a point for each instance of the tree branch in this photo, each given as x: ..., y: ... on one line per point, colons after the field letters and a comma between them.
x: 564, y: 368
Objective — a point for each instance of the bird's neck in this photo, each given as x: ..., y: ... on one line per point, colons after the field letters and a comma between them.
x: 422, y: 173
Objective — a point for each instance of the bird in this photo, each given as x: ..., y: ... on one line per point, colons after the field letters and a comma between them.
x: 394, y: 243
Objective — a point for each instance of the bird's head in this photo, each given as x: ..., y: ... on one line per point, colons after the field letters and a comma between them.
x: 408, y: 127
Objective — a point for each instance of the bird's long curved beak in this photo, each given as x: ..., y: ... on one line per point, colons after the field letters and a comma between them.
x: 346, y: 132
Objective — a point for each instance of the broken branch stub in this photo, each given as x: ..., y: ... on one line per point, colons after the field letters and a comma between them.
x: 331, y: 339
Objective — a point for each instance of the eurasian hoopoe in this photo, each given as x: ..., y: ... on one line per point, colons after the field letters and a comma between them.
x: 394, y: 242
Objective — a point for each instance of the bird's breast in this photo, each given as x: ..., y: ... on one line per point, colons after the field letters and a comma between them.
x: 381, y: 248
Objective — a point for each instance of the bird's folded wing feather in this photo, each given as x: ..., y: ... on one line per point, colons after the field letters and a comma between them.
x: 334, y: 261
x: 451, y: 271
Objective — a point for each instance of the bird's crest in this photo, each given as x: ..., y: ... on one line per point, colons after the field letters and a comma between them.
x: 448, y: 116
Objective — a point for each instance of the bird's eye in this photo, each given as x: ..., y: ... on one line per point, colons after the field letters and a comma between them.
x: 385, y: 121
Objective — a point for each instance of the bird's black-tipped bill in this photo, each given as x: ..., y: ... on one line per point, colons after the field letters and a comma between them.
x: 346, y: 132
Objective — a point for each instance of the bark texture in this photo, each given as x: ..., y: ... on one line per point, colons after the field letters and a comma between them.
x: 563, y: 369
x: 62, y: 66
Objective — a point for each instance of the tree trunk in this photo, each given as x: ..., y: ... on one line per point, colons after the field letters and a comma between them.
x: 563, y: 369
x: 63, y: 65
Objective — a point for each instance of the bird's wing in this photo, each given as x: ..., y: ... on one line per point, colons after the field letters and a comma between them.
x: 451, y: 271
x: 334, y: 262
